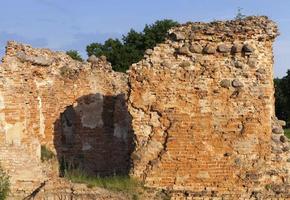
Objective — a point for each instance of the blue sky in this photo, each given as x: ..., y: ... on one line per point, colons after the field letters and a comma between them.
x: 73, y: 24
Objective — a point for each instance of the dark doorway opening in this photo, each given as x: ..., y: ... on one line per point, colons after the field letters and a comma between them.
x: 95, y: 135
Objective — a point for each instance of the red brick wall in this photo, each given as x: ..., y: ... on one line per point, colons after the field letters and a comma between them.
x: 201, y: 105
x: 201, y: 109
x: 39, y: 86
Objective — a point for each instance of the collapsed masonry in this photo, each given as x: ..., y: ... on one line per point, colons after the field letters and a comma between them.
x: 201, y: 103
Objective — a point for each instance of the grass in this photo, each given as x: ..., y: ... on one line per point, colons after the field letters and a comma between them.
x: 123, y: 184
x: 46, y: 154
x: 4, y: 184
x: 287, y: 132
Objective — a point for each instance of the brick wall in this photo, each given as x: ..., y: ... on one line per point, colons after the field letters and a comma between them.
x: 201, y: 122
x: 77, y: 110
x: 202, y: 106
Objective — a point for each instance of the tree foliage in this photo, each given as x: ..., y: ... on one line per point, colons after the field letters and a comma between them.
x: 282, y: 96
x: 129, y: 50
x: 74, y: 55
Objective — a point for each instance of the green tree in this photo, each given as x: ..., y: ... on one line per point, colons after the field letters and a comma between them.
x: 282, y: 97
x: 75, y: 55
x: 157, y: 32
x: 129, y: 50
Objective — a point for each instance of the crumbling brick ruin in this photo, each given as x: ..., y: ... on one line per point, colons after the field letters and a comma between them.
x: 201, y: 125
x: 202, y: 106
x: 78, y: 110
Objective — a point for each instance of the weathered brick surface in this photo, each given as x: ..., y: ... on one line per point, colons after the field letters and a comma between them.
x: 202, y: 104
x: 78, y: 110
x: 201, y: 108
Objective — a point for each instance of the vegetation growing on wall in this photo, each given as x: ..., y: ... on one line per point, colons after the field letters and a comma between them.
x: 46, y: 154
x: 4, y: 184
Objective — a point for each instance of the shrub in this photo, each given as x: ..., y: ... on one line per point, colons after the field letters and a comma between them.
x: 46, y: 154
x: 4, y: 184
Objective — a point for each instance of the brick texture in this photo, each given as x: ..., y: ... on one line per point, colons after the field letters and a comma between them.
x: 77, y: 110
x: 202, y: 106
x: 195, y: 117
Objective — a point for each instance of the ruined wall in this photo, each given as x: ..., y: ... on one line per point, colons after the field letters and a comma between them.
x: 201, y: 109
x: 202, y: 106
x: 78, y: 110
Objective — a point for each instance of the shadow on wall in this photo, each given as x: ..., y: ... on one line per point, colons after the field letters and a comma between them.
x: 95, y: 135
